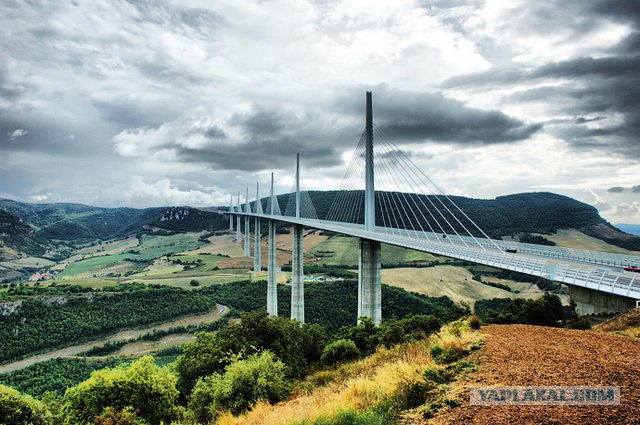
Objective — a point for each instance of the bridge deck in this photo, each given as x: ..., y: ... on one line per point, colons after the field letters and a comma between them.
x: 599, y: 271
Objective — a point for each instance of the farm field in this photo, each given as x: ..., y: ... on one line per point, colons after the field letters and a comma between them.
x: 456, y: 283
x: 340, y: 250
x: 571, y: 238
x: 32, y: 262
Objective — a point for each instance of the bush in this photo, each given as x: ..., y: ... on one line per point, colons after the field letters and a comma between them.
x: 342, y: 350
x: 260, y: 377
x: 445, y: 355
x: 474, y: 322
x: 151, y: 389
x: 194, y: 283
x: 16, y: 408
x: 436, y: 375
x: 295, y: 345
x: 579, y: 323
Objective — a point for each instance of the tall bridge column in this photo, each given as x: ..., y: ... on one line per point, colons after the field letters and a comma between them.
x: 231, y: 215
x: 297, y: 259
x: 238, y: 221
x: 297, y: 276
x: 369, y: 282
x: 247, y: 235
x: 272, y: 276
x: 272, y: 283
x: 257, y: 260
x: 247, y: 231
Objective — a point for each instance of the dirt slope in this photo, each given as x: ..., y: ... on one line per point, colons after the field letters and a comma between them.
x: 532, y: 355
x: 627, y: 323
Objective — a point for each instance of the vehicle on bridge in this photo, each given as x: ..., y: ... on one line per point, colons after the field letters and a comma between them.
x: 511, y: 251
x: 632, y: 269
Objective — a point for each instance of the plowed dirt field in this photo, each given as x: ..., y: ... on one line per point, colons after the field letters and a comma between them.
x: 522, y: 355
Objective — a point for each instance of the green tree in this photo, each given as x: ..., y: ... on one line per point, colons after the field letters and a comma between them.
x: 342, y: 350
x: 144, y: 386
x: 19, y: 409
x: 260, y: 377
x: 295, y: 345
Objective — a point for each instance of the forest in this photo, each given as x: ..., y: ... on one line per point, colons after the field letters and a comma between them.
x: 42, y: 322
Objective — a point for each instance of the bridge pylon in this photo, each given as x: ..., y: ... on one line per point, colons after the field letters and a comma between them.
x: 369, y: 280
x: 297, y: 260
x: 230, y: 211
x: 272, y: 282
x: 257, y: 260
x: 247, y: 230
x: 239, y: 220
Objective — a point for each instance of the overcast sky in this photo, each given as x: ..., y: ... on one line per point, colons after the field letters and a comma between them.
x: 147, y: 103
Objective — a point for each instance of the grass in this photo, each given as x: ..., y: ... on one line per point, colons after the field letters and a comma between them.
x: 369, y: 391
x: 456, y: 283
x: 341, y: 250
x: 571, y: 238
x: 33, y: 262
x: 181, y: 281
x: 153, y: 247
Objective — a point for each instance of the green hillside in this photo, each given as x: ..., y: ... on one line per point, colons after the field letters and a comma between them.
x: 539, y: 212
x: 75, y: 222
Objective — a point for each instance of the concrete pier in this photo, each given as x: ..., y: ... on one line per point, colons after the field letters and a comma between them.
x: 297, y: 276
x: 238, y: 221
x: 247, y: 230
x: 272, y: 279
x: 589, y: 301
x: 231, y: 210
x: 257, y: 259
x: 369, y: 281
x: 297, y: 259
x: 272, y: 275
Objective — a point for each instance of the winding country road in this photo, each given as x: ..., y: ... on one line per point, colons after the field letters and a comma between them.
x: 130, y: 334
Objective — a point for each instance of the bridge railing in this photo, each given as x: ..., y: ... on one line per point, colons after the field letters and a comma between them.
x: 589, y: 271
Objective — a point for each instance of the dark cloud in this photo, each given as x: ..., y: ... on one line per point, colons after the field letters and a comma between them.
x: 599, y: 87
x: 415, y: 117
x: 616, y: 189
x: 271, y: 134
x: 270, y: 138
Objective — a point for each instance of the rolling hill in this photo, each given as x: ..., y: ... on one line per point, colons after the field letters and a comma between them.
x: 32, y: 228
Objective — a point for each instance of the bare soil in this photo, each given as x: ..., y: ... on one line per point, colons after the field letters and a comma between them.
x: 533, y: 356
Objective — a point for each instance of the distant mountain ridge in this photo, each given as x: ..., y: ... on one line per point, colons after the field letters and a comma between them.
x: 31, y: 227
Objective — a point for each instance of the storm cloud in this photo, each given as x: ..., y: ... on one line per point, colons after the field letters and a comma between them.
x: 115, y: 102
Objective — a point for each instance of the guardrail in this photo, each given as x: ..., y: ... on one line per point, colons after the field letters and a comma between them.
x: 570, y: 266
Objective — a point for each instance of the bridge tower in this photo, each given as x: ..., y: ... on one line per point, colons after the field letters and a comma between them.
x: 297, y: 260
x: 369, y: 281
x: 257, y: 260
x: 230, y: 211
x: 238, y: 219
x: 247, y: 232
x: 272, y: 283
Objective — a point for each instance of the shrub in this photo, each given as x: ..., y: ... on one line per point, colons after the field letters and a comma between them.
x: 444, y: 355
x: 580, y: 323
x: 151, y: 389
x: 194, y: 283
x: 258, y: 378
x: 16, y: 408
x: 474, y: 322
x: 436, y: 375
x: 342, y: 350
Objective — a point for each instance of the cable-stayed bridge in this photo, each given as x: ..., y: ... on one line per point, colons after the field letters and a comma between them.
x: 385, y: 198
